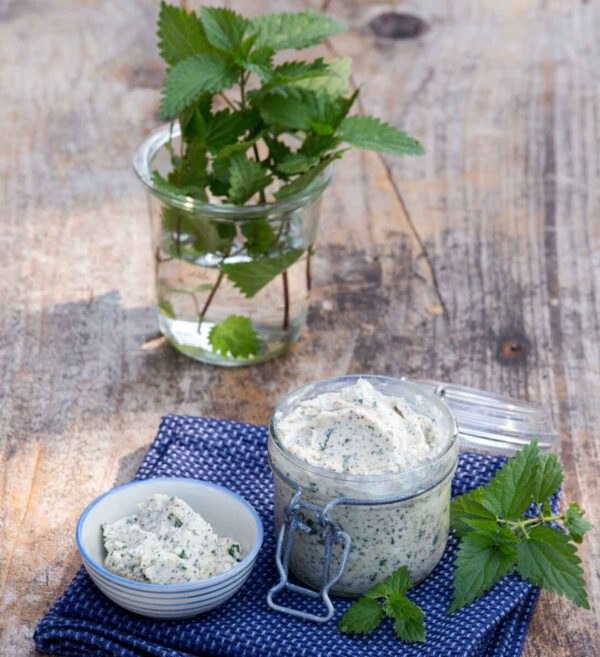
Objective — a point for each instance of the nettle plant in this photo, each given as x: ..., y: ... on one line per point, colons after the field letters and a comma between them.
x: 254, y: 130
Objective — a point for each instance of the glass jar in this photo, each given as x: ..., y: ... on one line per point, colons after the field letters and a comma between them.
x: 195, y: 242
x: 410, y: 531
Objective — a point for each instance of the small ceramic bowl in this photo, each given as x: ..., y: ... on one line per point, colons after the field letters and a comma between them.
x: 228, y: 513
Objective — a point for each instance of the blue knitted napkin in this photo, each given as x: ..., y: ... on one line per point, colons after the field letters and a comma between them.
x: 84, y: 622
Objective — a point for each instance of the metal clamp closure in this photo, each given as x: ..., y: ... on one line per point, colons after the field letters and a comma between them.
x: 334, y: 534
x: 294, y: 521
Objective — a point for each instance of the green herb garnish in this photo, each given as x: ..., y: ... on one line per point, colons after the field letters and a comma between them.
x: 234, y: 551
x: 388, y: 598
x: 498, y: 536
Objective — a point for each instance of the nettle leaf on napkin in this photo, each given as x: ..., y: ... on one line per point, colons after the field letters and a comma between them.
x: 508, y: 526
x: 388, y: 598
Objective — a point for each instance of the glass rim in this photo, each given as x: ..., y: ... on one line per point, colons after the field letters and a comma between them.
x: 419, y: 471
x: 156, y: 140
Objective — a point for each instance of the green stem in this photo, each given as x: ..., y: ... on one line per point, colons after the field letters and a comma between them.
x: 261, y: 193
x: 286, y: 300
x: 178, y: 236
x: 224, y: 97
x: 242, y: 91
x: 522, y: 525
x: 308, y: 269
x: 212, y: 293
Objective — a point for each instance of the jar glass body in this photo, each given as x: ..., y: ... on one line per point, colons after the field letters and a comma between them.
x: 411, y: 531
x: 193, y: 244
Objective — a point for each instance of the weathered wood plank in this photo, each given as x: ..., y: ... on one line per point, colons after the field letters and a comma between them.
x: 497, y: 227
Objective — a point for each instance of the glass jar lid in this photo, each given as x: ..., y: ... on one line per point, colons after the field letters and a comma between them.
x: 495, y: 423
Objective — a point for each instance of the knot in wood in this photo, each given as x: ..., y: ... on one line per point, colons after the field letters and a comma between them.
x: 512, y: 349
x: 395, y: 25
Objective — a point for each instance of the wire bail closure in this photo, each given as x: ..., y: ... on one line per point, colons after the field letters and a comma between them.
x: 294, y: 521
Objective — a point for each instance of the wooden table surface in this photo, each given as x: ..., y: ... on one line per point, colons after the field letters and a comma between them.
x: 478, y: 263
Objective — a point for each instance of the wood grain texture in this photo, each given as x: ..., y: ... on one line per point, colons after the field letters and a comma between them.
x: 478, y: 263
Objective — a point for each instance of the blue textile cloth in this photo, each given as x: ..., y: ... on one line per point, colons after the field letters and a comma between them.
x: 84, y: 622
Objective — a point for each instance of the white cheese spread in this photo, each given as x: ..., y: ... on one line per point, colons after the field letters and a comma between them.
x: 166, y: 542
x: 359, y: 430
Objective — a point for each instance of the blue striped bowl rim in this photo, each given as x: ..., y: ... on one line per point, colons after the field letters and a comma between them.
x: 198, y: 593
x: 164, y: 589
x: 169, y: 605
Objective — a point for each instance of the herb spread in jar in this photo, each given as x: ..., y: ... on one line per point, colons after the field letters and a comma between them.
x: 368, y: 438
x: 359, y: 430
x: 166, y: 542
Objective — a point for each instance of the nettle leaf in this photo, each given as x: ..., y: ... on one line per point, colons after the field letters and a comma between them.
x: 409, y: 619
x: 166, y: 308
x: 380, y: 590
x: 259, y: 236
x: 246, y: 178
x: 287, y: 108
x: 180, y: 34
x: 224, y: 28
x: 260, y: 62
x: 206, y: 234
x: 296, y: 72
x: 175, y: 221
x: 192, y: 119
x: 375, y: 135
x: 398, y: 581
x: 296, y: 163
x: 278, y: 151
x: 362, y: 617
x: 549, y: 477
x: 334, y: 81
x: 303, y: 181
x: 548, y: 559
x: 162, y: 185
x: 294, y: 30
x: 226, y: 152
x: 226, y: 127
x: 194, y: 76
x: 468, y: 507
x: 235, y: 336
x: 292, y: 107
x: 575, y: 523
x: 480, y: 562
x: 510, y: 493
x: 250, y: 277
x: 367, y: 612
x: 191, y: 170
x: 317, y: 145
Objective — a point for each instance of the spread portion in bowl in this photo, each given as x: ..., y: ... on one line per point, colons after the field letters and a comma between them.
x: 359, y: 430
x: 166, y: 542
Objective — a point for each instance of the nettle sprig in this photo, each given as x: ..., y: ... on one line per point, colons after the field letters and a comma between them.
x: 253, y: 130
x: 387, y: 599
x: 222, y: 55
x: 509, y: 526
x: 506, y: 526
